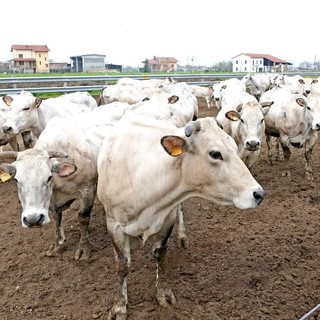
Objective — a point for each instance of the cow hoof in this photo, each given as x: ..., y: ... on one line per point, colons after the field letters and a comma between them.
x: 117, y: 313
x: 166, y: 298
x: 309, y: 176
x: 55, y: 250
x: 183, y: 243
x: 116, y: 316
x: 82, y: 254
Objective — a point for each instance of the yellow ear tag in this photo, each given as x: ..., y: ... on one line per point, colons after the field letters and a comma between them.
x: 4, y: 177
x: 175, y: 151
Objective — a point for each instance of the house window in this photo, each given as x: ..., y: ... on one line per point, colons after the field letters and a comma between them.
x: 253, y: 62
x: 40, y: 63
x: 236, y: 61
x: 20, y: 55
x: 45, y: 58
x: 245, y: 68
x: 245, y: 61
x: 236, y: 68
x: 20, y: 63
x: 39, y: 55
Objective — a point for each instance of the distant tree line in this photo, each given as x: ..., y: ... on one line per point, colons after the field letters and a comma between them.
x: 305, y: 65
x: 223, y: 66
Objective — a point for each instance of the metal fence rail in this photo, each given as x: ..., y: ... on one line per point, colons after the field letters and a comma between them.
x: 96, y: 83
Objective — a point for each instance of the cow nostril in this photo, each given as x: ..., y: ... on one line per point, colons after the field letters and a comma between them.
x: 7, y: 129
x: 258, y: 195
x: 40, y: 219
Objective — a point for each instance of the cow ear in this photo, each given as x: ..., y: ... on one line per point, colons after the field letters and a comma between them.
x: 301, y: 102
x: 173, y: 99
x: 233, y: 115
x: 7, y: 100
x: 266, y: 104
x: 64, y: 169
x: 37, y: 102
x: 174, y: 145
x: 7, y: 171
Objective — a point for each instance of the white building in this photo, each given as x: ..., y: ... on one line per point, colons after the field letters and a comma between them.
x: 88, y: 63
x: 255, y: 62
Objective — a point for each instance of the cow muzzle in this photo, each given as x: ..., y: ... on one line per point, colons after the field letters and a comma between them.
x: 253, y: 145
x: 35, y: 221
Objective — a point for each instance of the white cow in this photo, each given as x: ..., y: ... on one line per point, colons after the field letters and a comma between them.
x: 127, y: 93
x: 178, y: 108
x: 30, y: 113
x: 11, y: 139
x: 162, y: 166
x: 145, y: 82
x: 257, y: 83
x: 231, y: 98
x: 294, y: 83
x: 245, y: 124
x: 204, y: 92
x: 47, y: 184
x: 220, y: 88
x: 296, y: 122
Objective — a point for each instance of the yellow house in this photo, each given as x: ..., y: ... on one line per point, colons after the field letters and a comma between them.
x: 30, y: 58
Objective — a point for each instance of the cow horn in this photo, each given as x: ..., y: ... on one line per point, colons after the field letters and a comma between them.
x: 191, y: 127
x: 8, y: 155
x: 57, y: 154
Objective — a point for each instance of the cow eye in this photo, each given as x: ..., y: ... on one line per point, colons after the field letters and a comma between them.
x: 308, y: 108
x: 25, y: 109
x: 49, y: 179
x: 215, y: 155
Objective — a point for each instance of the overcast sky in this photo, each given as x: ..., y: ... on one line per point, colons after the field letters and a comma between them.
x: 129, y: 31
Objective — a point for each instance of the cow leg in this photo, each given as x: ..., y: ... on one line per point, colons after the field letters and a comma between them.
x: 27, y: 139
x: 312, y: 139
x: 121, y: 245
x: 11, y: 140
x: 182, y: 236
x: 165, y: 296
x: 59, y: 245
x: 14, y: 143
x: 277, y: 150
x: 270, y: 151
x: 86, y: 203
x: 286, y: 155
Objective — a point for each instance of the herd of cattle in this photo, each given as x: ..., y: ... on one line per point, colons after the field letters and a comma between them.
x: 142, y: 150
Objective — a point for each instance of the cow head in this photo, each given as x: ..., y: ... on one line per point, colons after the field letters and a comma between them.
x: 35, y: 171
x: 22, y: 113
